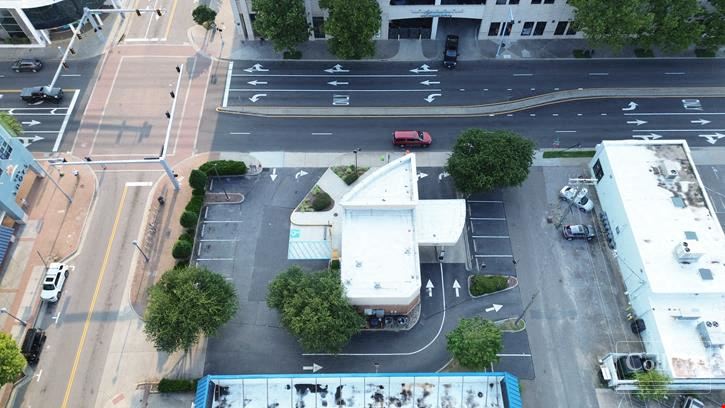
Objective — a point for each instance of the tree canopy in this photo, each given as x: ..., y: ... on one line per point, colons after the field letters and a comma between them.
x: 12, y: 361
x: 672, y: 25
x: 352, y: 25
x: 313, y: 307
x: 11, y: 124
x: 186, y: 303
x: 483, y: 160
x: 475, y: 343
x: 203, y: 15
x: 282, y: 21
x: 652, y: 385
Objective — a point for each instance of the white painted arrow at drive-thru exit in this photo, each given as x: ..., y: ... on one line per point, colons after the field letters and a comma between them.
x: 314, y: 368
x: 494, y: 308
x: 456, y: 287
x: 429, y: 286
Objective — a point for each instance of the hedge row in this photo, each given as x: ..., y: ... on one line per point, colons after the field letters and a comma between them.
x: 169, y: 385
x: 224, y: 168
x: 481, y: 285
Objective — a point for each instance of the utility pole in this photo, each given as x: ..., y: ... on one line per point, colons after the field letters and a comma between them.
x: 521, y: 316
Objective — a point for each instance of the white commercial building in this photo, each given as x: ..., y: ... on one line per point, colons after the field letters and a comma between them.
x: 431, y: 19
x: 670, y: 249
x: 383, y: 225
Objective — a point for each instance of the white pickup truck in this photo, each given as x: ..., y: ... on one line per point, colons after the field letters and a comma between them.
x: 54, y: 281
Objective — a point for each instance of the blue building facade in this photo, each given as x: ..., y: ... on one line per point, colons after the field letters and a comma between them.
x: 15, y: 163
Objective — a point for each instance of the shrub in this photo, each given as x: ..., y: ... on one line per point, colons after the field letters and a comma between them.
x: 643, y: 53
x: 481, y: 285
x: 182, y: 250
x: 181, y: 263
x: 198, y: 193
x: 350, y: 178
x: 195, y: 204
x: 335, y: 264
x: 294, y: 54
x: 168, y: 385
x: 704, y: 53
x: 321, y: 201
x: 186, y: 237
x: 582, y: 54
x: 197, y: 179
x: 224, y: 168
x: 189, y: 219
x: 203, y: 15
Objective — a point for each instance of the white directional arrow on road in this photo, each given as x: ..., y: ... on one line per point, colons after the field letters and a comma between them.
x: 26, y: 141
x: 423, y: 68
x: 427, y: 82
x: 443, y: 175
x: 31, y: 123
x: 256, y: 67
x: 651, y: 136
x: 336, y: 83
x: 255, y: 82
x: 494, y: 308
x: 421, y: 175
x: 456, y: 286
x: 632, y: 106
x: 713, y: 137
x: 256, y: 97
x: 636, y: 122
x: 336, y: 68
x: 300, y: 173
x: 274, y: 174
x: 430, y: 98
x: 700, y: 121
x: 429, y: 286
x: 314, y: 368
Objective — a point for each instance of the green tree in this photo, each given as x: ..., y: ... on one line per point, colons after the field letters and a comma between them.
x: 475, y: 343
x: 652, y: 385
x: 352, y: 25
x: 182, y: 248
x: 189, y: 219
x: 198, y: 179
x: 203, y: 15
x: 673, y: 28
x: 283, y: 22
x: 483, y: 160
x: 12, y: 361
x: 185, y: 304
x: 314, y: 309
x: 611, y: 22
x: 713, y: 26
x: 11, y: 124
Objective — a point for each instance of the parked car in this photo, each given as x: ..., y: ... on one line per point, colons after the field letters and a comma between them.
x: 581, y: 200
x: 41, y: 93
x: 54, y: 281
x: 692, y: 402
x: 450, y: 55
x: 27, y: 65
x: 33, y: 345
x: 409, y: 138
x: 578, y: 231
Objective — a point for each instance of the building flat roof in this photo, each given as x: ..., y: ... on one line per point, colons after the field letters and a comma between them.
x: 681, y: 248
x: 431, y: 390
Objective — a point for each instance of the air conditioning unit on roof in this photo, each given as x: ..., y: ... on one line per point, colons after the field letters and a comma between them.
x: 687, y: 252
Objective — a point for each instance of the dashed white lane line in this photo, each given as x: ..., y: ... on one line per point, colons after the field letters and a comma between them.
x: 674, y: 73
x: 239, y: 133
x: 565, y: 131
x: 321, y: 133
x: 521, y: 75
x: 598, y: 73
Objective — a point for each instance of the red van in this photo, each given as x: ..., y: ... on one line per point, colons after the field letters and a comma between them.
x: 408, y: 138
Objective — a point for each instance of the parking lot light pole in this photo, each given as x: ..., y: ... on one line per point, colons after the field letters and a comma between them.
x: 135, y: 243
x: 21, y: 321
x: 503, y: 32
x: 356, y: 151
x: 223, y: 188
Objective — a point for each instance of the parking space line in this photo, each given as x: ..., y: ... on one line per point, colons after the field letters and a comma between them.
x: 487, y: 219
x: 490, y: 236
x: 514, y: 355
x: 486, y: 201
x: 229, y: 82
x: 493, y: 256
x: 218, y: 222
x: 218, y: 240
x: 65, y: 121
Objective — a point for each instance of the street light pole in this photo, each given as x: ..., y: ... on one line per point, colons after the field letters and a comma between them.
x: 21, y: 321
x: 503, y: 31
x: 135, y: 243
x: 356, y: 151
x: 223, y: 188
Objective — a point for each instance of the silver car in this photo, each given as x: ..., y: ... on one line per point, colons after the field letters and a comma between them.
x: 581, y: 200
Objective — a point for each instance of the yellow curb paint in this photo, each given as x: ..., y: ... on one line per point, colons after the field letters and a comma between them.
x: 104, y: 265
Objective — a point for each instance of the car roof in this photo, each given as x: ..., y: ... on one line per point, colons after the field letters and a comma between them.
x: 406, y: 133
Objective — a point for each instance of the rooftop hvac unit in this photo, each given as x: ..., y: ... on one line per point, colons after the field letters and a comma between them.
x: 669, y: 172
x: 712, y: 333
x: 687, y: 252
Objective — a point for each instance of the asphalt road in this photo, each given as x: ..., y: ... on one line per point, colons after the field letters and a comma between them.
x: 307, y: 83
x: 565, y: 124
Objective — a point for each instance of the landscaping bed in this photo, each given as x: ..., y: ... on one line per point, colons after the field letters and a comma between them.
x: 554, y: 154
x: 348, y: 174
x: 316, y: 200
x: 480, y: 285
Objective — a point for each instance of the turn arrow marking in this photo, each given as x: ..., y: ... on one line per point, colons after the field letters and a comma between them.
x: 256, y: 97
x: 256, y: 67
x: 443, y: 175
x: 336, y: 68
x: 421, y: 175
x: 423, y: 68
x: 632, y: 106
x: 300, y: 173
x: 26, y: 141
x: 494, y: 308
x: 430, y: 98
x: 713, y: 137
x: 651, y: 136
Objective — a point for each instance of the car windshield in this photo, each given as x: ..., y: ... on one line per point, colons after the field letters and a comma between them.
x: 583, y: 201
x: 420, y: 135
x: 48, y: 286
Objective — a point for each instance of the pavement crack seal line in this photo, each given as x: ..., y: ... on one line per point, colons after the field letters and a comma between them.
x: 87, y: 323
x: 496, y: 108
x: 409, y: 353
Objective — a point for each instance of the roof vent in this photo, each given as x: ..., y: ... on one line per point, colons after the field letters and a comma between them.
x: 378, y: 285
x: 669, y: 172
x: 358, y: 264
x: 712, y: 333
x: 687, y: 252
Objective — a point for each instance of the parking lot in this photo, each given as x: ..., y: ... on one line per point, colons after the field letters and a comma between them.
x: 44, y: 123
